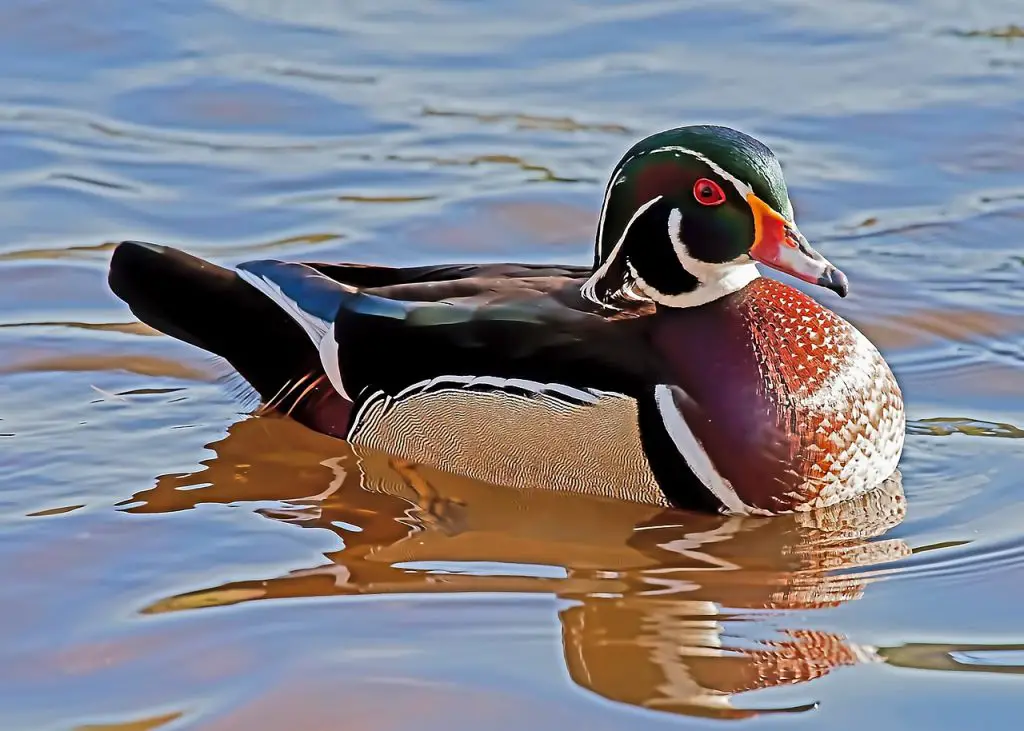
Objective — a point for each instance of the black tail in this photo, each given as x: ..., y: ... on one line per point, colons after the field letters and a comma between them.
x: 212, y: 308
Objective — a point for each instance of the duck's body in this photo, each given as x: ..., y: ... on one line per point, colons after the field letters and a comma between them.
x: 739, y: 394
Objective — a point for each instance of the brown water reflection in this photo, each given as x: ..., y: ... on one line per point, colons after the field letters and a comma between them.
x: 645, y: 590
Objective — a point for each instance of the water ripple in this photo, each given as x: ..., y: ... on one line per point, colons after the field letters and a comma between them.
x: 946, y: 426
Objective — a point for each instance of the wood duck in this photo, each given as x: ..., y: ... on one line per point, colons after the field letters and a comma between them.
x: 668, y: 372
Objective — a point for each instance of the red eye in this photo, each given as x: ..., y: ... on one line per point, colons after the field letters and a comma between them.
x: 708, y: 192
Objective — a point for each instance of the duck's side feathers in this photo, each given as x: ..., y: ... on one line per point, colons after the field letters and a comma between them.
x: 212, y: 308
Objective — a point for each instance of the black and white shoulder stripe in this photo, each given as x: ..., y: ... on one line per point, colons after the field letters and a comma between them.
x: 555, y: 395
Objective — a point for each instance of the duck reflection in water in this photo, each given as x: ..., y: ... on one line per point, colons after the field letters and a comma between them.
x: 645, y: 590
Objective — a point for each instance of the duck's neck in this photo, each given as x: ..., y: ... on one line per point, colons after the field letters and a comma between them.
x: 715, y: 281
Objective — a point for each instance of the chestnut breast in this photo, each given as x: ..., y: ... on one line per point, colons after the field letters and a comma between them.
x: 794, y: 407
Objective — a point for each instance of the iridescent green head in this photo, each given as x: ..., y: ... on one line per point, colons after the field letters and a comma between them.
x: 688, y: 211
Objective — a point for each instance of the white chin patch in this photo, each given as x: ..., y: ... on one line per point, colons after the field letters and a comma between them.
x: 716, y: 280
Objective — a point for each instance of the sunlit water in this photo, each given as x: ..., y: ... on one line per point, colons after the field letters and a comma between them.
x: 167, y: 561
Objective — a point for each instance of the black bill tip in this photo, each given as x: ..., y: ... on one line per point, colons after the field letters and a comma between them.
x: 835, y: 280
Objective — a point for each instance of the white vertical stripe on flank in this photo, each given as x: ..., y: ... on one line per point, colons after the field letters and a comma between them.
x: 696, y: 457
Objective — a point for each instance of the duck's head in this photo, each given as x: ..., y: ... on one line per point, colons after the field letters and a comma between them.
x: 686, y: 214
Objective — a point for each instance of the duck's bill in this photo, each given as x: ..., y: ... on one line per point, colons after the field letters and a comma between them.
x: 780, y: 245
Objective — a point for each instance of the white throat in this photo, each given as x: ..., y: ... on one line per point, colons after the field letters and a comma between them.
x: 716, y: 280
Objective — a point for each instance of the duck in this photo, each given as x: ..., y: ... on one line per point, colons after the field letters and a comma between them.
x: 669, y: 371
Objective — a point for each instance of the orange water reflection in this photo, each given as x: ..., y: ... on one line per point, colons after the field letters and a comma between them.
x: 645, y: 592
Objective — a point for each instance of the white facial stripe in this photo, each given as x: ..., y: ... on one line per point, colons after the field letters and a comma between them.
x: 742, y: 188
x: 634, y: 287
x: 716, y: 280
x: 588, y: 288
x: 736, y: 278
x: 604, y: 211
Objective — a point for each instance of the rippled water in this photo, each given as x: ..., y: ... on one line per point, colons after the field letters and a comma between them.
x: 167, y: 561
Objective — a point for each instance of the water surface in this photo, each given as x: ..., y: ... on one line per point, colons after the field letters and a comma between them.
x: 169, y: 561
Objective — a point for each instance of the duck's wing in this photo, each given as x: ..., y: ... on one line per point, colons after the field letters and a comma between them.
x: 268, y: 341
x: 514, y: 330
x: 372, y: 276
